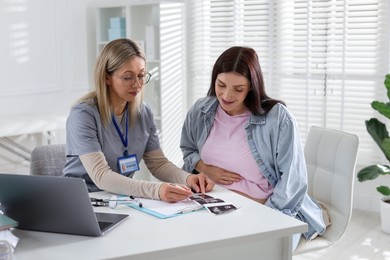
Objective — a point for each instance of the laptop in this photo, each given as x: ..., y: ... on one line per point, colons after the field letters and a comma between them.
x: 53, y: 204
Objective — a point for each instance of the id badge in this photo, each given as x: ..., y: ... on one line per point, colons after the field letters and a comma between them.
x: 128, y: 164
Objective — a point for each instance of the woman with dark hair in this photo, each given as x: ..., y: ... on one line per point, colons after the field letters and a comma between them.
x: 249, y: 142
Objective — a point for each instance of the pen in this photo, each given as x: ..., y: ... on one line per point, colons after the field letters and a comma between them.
x: 115, y: 201
x: 139, y: 202
x: 189, y: 209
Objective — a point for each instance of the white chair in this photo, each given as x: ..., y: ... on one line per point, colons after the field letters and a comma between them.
x: 331, y: 159
x: 48, y: 160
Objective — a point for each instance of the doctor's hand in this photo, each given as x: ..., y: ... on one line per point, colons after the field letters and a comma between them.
x: 200, y: 183
x: 170, y: 192
x: 218, y: 175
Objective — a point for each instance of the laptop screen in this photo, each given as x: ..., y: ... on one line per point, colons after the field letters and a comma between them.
x: 52, y: 204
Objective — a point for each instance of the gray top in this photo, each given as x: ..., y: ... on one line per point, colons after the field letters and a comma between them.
x: 86, y: 134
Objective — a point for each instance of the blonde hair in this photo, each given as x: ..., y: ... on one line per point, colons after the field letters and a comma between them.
x: 112, y: 57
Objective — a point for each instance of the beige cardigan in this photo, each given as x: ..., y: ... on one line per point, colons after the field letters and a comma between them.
x: 108, y: 180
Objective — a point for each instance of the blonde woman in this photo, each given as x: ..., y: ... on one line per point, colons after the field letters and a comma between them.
x: 111, y: 129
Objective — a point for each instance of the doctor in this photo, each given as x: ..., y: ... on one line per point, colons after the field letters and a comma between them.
x: 111, y: 126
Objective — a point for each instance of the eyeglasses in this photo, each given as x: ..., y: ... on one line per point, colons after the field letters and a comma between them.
x: 129, y: 80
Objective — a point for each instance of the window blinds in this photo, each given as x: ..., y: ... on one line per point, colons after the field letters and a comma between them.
x: 172, y: 33
x: 325, y: 58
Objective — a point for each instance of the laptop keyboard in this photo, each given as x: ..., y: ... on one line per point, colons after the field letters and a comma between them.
x: 103, y: 224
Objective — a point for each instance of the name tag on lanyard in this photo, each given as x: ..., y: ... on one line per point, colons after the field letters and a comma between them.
x: 128, y: 164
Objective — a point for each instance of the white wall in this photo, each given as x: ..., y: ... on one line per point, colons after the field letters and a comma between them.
x: 45, y: 54
x: 47, y: 50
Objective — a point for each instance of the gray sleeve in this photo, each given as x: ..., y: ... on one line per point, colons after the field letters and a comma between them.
x: 81, y: 130
x: 153, y: 142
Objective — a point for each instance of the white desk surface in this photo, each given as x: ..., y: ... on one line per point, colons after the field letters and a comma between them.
x: 253, y: 231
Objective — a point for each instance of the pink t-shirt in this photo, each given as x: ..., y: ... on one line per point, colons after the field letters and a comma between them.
x: 227, y: 147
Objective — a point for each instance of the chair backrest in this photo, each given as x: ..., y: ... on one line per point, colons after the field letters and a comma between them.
x: 48, y: 160
x: 331, y: 160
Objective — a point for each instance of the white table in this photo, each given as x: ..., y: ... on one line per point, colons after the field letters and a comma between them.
x: 253, y: 231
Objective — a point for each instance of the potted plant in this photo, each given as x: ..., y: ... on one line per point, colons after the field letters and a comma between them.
x: 379, y: 133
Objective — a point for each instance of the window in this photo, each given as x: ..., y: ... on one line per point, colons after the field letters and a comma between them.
x: 172, y: 33
x: 326, y: 59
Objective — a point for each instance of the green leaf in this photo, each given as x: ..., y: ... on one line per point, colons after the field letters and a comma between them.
x: 372, y: 172
x: 385, y: 147
x: 383, y: 108
x: 387, y: 84
x: 387, y: 81
x: 384, y: 190
x: 379, y: 133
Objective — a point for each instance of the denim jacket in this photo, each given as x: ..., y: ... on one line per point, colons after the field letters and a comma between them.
x: 276, y: 146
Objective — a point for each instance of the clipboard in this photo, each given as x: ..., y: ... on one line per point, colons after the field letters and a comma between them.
x: 163, y: 210
x: 198, y: 201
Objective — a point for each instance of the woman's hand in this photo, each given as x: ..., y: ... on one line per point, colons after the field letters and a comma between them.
x: 200, y: 183
x: 218, y: 175
x: 174, y: 192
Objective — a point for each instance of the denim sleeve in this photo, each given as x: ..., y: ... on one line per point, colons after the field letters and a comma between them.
x: 188, y: 141
x: 291, y: 186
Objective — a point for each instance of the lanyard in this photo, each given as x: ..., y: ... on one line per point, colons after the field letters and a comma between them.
x: 123, y: 137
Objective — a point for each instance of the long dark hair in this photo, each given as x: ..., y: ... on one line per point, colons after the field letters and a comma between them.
x: 244, y: 60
